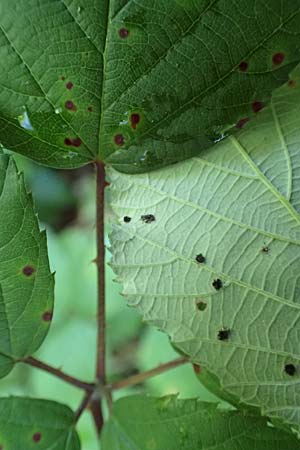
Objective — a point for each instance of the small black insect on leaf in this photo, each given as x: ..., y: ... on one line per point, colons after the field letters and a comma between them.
x: 127, y: 219
x: 265, y: 249
x: 217, y: 284
x: 290, y: 369
x: 223, y: 334
x: 200, y: 258
x: 148, y: 218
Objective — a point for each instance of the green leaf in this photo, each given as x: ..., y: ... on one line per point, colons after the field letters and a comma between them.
x: 134, y: 85
x: 28, y: 424
x: 26, y: 283
x: 169, y: 424
x: 235, y: 311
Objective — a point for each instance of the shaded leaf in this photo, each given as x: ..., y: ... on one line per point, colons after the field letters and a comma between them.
x: 137, y: 86
x: 168, y: 423
x: 236, y: 313
x: 27, y: 424
x: 26, y: 283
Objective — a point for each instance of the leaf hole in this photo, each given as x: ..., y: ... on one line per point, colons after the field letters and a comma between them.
x: 127, y: 219
x: 223, y: 334
x: 200, y: 258
x: 148, y: 218
x: 290, y: 369
x: 217, y: 284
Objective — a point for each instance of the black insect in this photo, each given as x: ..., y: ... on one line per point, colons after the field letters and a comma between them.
x: 265, y: 249
x: 217, y: 284
x: 223, y: 334
x: 148, y: 218
x: 200, y: 258
x: 127, y: 219
x: 290, y: 369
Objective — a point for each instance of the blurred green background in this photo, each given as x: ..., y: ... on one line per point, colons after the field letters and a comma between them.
x: 65, y: 201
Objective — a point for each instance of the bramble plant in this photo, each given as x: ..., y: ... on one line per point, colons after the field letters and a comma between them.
x: 189, y: 111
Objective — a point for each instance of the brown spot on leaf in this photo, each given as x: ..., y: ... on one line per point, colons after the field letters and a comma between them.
x: 243, y: 66
x: 70, y: 105
x: 240, y: 124
x: 135, y: 120
x: 119, y: 139
x: 28, y: 271
x: 47, y: 316
x: 36, y: 437
x: 278, y: 58
x: 123, y: 33
x: 69, y: 85
x: 75, y: 142
x: 257, y: 106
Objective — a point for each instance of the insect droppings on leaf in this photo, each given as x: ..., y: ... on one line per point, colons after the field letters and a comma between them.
x: 257, y: 106
x: 148, y: 218
x: 217, y: 284
x: 123, y: 33
x: 201, y: 305
x: 119, y: 139
x: 28, y: 271
x: 243, y: 66
x: 200, y: 258
x: 135, y: 120
x: 127, y: 219
x: 36, y: 437
x: 223, y: 334
x: 47, y: 316
x: 290, y: 369
x: 278, y: 58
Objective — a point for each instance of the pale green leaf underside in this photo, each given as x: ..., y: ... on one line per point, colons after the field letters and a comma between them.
x: 238, y: 205
x: 26, y: 283
x: 76, y: 71
x: 145, y: 423
x: 29, y: 424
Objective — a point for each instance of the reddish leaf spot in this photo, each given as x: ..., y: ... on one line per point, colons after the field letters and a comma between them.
x: 69, y: 85
x: 70, y: 105
x: 278, y: 58
x: 76, y: 142
x: 197, y: 368
x: 123, y: 33
x: 292, y: 83
x: 119, y: 139
x: 257, y: 106
x: 28, y: 271
x: 90, y: 109
x: 63, y: 78
x: 243, y: 66
x: 36, y: 437
x: 135, y: 120
x: 47, y: 316
x: 242, y: 122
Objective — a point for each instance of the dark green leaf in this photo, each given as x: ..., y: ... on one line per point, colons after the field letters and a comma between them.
x: 144, y: 423
x: 26, y: 284
x: 36, y: 424
x: 139, y: 85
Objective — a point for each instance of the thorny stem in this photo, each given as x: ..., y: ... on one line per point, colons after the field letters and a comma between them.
x: 89, y: 387
x: 140, y: 377
x: 100, y: 260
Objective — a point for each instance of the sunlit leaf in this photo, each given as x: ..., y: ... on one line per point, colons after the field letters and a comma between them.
x: 211, y: 255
